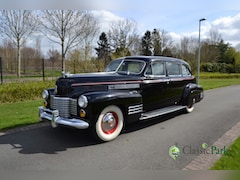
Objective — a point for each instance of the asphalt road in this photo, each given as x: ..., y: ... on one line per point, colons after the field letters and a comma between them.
x: 143, y: 146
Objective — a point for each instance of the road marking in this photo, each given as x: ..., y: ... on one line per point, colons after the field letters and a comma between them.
x: 206, y: 161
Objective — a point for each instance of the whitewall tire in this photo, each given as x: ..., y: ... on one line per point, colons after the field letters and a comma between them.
x: 190, y: 107
x: 109, y: 123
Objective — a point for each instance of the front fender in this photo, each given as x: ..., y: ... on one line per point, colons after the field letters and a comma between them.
x: 123, y: 99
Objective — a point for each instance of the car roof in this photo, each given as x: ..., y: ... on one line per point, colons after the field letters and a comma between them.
x: 162, y: 58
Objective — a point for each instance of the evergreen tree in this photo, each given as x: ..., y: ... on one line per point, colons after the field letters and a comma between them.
x: 223, y: 49
x: 103, y: 50
x: 156, y: 43
x: 146, y: 44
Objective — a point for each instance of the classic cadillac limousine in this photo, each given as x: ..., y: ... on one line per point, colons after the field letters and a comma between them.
x: 141, y: 88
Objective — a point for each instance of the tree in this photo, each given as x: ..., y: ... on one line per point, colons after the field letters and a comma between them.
x: 54, y: 56
x: 103, y: 50
x: 147, y: 44
x: 223, y: 48
x: 157, y: 49
x: 8, y: 53
x: 188, y: 51
x: 18, y: 25
x: 122, y: 37
x: 68, y: 28
x: 74, y: 58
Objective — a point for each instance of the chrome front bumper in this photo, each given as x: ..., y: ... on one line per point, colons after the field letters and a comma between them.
x: 53, y: 116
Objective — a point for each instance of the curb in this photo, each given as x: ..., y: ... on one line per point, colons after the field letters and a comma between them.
x: 206, y: 161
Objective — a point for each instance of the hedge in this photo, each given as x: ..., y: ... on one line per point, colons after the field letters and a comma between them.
x: 22, y: 91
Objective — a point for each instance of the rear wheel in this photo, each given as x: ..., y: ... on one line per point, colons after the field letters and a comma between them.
x: 190, y: 107
x: 109, y: 123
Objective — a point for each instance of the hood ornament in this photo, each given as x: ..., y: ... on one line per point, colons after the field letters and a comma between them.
x: 66, y: 74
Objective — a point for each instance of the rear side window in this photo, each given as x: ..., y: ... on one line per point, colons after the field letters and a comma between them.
x: 185, y: 71
x: 173, y: 69
x: 156, y: 69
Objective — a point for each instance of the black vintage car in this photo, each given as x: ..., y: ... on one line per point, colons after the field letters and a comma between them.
x: 141, y: 88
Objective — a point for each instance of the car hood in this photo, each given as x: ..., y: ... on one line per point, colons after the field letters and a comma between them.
x: 76, y: 84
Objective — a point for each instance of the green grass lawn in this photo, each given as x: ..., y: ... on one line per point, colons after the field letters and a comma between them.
x: 231, y: 160
x: 18, y: 114
x: 216, y: 83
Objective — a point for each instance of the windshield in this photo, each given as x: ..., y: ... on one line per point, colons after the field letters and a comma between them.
x: 113, y: 65
x: 131, y: 67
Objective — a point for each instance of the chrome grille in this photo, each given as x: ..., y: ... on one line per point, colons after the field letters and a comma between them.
x: 65, y: 106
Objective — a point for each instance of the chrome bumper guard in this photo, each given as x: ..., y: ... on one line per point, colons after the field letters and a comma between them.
x: 53, y: 116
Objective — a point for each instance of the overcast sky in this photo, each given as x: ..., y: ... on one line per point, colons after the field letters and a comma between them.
x: 178, y: 17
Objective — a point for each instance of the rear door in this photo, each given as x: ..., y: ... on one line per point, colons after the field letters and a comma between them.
x: 154, y: 86
x: 176, y: 82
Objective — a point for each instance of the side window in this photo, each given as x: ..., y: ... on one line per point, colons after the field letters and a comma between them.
x: 185, y: 71
x: 173, y: 69
x: 156, y: 69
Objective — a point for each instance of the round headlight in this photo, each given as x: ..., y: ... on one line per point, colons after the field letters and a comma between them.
x: 45, y: 94
x: 82, y: 101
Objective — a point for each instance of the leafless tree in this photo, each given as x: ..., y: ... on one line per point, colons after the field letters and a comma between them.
x: 8, y: 54
x: 188, y: 49
x: 215, y: 36
x: 123, y: 35
x: 67, y: 28
x: 18, y: 25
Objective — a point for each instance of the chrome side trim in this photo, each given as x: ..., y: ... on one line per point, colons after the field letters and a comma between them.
x: 162, y: 111
x: 53, y: 115
x: 135, y: 109
x: 124, y: 86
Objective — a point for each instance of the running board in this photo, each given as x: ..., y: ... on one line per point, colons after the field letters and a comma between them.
x: 162, y: 111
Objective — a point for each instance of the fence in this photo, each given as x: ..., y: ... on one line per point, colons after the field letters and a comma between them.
x: 30, y: 69
x: 45, y: 69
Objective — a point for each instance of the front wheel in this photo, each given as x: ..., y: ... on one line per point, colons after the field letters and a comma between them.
x: 109, y: 123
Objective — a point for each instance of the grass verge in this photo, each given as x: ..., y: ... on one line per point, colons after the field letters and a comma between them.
x: 216, y: 83
x: 230, y: 160
x: 19, y: 114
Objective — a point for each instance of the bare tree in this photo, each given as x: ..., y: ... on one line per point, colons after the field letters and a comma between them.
x: 215, y: 36
x: 8, y: 53
x: 123, y: 35
x: 38, y: 54
x: 67, y: 28
x: 18, y: 25
x: 188, y: 49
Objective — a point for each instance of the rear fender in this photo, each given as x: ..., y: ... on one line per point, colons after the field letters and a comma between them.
x: 193, y: 93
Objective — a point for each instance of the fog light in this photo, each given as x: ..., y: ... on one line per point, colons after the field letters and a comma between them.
x: 82, y: 113
x: 45, y: 104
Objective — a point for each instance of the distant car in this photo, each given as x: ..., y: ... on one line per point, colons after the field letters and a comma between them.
x: 141, y: 88
x: 113, y: 65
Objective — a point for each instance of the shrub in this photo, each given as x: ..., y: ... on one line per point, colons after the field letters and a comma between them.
x: 220, y: 67
x: 21, y: 91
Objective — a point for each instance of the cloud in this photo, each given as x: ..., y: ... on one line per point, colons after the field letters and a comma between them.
x: 105, y: 18
x: 229, y: 28
x: 61, y: 4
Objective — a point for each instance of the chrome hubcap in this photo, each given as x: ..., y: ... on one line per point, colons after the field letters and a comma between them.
x: 109, y: 123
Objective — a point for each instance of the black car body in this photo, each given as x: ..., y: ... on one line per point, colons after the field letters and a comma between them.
x: 141, y: 88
